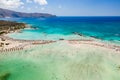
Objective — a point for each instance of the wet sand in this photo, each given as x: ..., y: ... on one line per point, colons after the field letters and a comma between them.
x: 17, y: 44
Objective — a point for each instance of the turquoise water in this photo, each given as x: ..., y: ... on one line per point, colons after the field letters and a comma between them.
x: 61, y: 60
x: 105, y: 28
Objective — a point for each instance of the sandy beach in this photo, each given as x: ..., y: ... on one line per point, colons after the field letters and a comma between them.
x: 10, y: 44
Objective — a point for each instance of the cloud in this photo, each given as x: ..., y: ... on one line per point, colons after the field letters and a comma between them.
x: 10, y: 3
x: 41, y: 2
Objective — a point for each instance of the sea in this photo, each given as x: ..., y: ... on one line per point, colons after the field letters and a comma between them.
x: 104, y: 28
x: 60, y: 60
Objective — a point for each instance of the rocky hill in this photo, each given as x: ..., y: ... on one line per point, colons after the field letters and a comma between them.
x: 5, y: 13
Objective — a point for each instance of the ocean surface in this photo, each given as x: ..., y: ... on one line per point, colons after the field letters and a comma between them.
x: 105, y: 28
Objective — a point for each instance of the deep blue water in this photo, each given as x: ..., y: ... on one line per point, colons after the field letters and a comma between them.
x: 106, y: 28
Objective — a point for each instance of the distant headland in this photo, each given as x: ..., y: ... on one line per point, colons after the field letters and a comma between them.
x: 5, y: 13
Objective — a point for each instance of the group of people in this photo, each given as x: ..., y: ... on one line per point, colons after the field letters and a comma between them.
x: 23, y: 45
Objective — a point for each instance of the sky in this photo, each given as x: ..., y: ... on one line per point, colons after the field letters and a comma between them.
x: 65, y: 7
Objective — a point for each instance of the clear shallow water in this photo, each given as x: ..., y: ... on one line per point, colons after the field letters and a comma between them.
x: 62, y: 62
x: 105, y: 28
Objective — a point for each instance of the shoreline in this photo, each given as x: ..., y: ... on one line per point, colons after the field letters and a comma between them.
x: 18, y: 44
x: 8, y: 44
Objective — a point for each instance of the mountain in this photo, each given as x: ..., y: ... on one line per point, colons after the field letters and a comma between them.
x: 5, y: 13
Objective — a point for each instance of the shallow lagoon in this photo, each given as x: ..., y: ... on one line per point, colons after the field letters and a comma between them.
x: 61, y: 61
